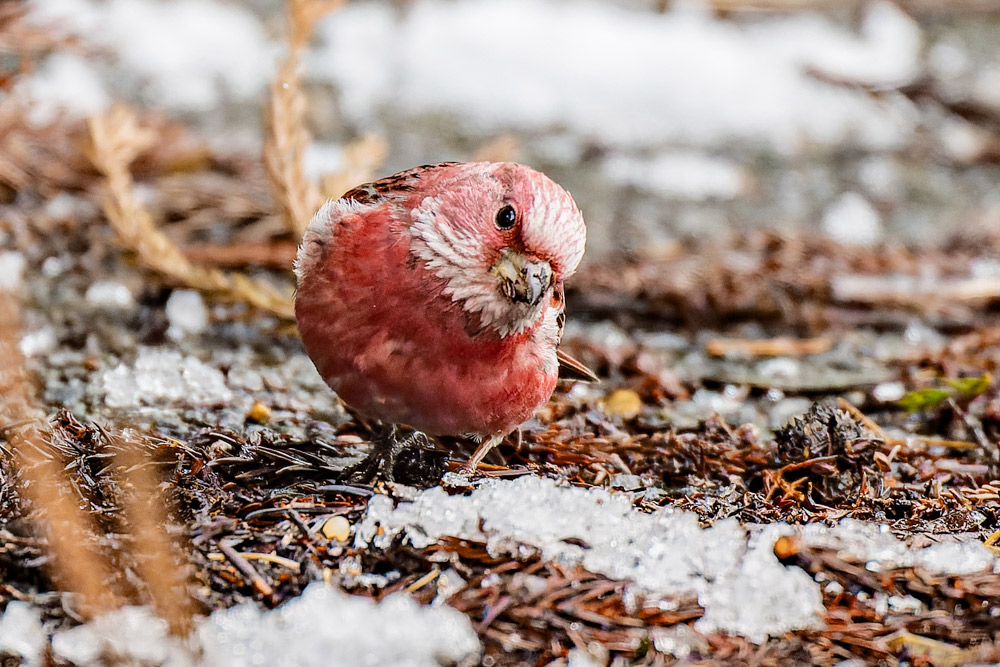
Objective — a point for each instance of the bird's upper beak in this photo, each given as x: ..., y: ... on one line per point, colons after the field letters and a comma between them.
x: 522, y: 278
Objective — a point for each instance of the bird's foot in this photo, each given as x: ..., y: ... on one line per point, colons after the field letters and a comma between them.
x: 482, y: 450
x: 395, y: 453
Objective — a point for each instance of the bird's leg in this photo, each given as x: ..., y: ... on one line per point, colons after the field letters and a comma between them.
x: 484, y: 448
x: 385, y: 448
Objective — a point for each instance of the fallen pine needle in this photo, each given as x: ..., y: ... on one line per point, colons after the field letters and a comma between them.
x: 292, y: 565
x: 771, y: 347
x: 423, y: 581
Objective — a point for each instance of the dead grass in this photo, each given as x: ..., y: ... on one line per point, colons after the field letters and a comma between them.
x: 77, y: 566
x: 288, y: 136
x: 155, y: 554
x: 117, y: 140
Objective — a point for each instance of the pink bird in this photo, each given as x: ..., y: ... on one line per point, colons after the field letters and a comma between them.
x: 434, y: 298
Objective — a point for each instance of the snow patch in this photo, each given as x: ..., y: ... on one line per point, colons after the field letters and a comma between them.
x: 21, y: 632
x: 322, y: 627
x: 64, y: 82
x: 684, y: 175
x: 159, y: 376
x: 623, y: 76
x: 191, y: 53
x: 666, y: 552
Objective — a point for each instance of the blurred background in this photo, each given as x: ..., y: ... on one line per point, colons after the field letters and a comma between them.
x: 860, y: 121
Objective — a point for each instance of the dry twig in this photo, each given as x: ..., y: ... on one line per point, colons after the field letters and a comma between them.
x: 117, y: 139
x: 288, y: 137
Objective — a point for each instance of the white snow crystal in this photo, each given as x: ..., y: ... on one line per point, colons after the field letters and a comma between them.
x: 135, y: 632
x: 321, y: 628
x: 12, y: 265
x: 852, y: 219
x: 761, y: 597
x: 186, y: 313
x: 109, y: 294
x: 21, y: 632
x: 880, y: 550
x: 159, y: 376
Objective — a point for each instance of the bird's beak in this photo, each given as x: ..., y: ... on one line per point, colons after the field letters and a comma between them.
x: 521, y: 278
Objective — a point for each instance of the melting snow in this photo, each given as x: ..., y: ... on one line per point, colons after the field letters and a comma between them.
x: 622, y: 75
x: 164, y: 375
x: 191, y: 53
x: 186, y: 313
x: 744, y: 589
x: 321, y: 628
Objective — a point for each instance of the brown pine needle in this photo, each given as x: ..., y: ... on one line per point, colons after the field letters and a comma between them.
x: 286, y: 143
x: 769, y: 347
x: 117, y: 139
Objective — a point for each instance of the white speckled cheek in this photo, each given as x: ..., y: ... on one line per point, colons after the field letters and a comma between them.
x: 456, y: 255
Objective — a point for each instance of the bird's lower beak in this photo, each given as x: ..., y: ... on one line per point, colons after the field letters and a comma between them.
x: 521, y: 278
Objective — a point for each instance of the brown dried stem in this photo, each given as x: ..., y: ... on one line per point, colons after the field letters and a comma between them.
x: 117, y: 139
x: 286, y: 143
x: 77, y: 565
x: 156, y: 556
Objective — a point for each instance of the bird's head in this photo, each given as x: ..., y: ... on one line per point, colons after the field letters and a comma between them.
x: 501, y: 236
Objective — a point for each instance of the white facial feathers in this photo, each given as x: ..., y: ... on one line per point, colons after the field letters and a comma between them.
x: 457, y: 255
x: 453, y: 235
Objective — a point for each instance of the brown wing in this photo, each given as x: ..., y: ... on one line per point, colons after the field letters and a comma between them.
x: 384, y: 188
x: 571, y: 369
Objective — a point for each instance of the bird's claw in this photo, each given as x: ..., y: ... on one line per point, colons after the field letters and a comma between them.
x: 381, y: 460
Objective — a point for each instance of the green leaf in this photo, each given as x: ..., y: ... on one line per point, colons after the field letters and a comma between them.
x: 970, y: 386
x: 922, y: 399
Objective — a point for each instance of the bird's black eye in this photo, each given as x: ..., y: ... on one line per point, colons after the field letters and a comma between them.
x: 506, y: 217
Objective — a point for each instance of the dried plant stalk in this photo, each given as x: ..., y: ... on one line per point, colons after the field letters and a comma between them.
x: 156, y: 556
x: 78, y: 567
x: 288, y: 137
x: 117, y: 139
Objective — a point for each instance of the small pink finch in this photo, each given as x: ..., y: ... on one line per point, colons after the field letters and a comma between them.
x: 434, y: 298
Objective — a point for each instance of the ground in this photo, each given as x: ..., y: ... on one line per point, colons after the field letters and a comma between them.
x: 790, y: 458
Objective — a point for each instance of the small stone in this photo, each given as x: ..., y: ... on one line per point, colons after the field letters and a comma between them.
x: 337, y: 528
x: 622, y: 403
x: 625, y: 482
x: 259, y: 412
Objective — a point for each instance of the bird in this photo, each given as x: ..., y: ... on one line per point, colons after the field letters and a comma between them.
x: 434, y: 299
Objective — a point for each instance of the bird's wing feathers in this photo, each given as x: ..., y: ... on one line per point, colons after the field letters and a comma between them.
x: 571, y: 369
x: 398, y: 184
